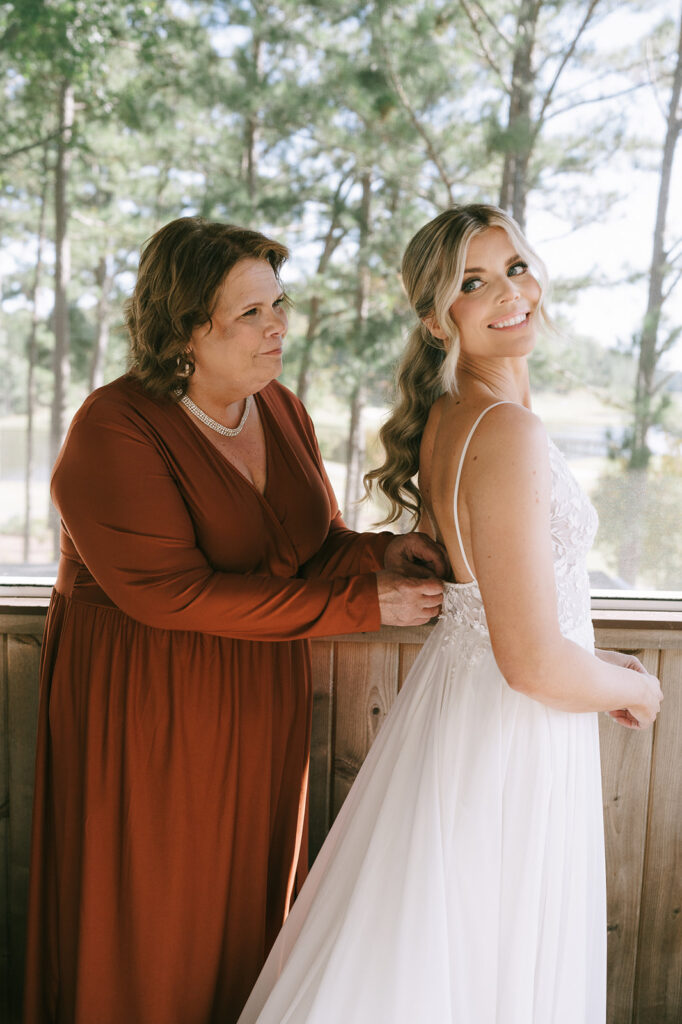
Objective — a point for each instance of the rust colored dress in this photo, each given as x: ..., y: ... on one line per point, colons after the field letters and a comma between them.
x: 175, y: 705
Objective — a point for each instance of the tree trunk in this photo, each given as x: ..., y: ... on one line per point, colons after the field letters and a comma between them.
x: 306, y: 355
x: 520, y: 134
x: 105, y: 279
x: 62, y: 276
x: 331, y: 242
x: 649, y: 349
x: 649, y: 352
x: 251, y: 125
x: 31, y: 351
x: 356, y: 458
x: 356, y: 445
x: 630, y: 553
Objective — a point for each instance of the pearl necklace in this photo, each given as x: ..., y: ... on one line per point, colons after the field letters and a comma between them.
x: 213, y: 424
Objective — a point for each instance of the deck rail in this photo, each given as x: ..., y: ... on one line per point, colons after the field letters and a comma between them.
x: 355, y: 681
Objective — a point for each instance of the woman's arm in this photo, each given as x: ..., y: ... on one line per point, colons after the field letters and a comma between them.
x: 506, y: 486
x: 129, y: 523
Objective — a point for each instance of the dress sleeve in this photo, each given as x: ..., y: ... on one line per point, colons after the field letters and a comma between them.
x: 126, y: 517
x: 345, y: 552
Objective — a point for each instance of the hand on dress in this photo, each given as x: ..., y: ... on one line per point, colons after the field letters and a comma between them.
x: 643, y: 713
x: 415, y: 554
x: 408, y: 600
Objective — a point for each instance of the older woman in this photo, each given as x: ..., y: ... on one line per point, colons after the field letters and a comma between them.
x: 201, y: 547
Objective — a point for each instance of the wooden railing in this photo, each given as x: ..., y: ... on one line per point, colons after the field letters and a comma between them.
x: 356, y: 679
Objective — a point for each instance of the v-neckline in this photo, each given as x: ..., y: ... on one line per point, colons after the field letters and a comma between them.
x: 260, y: 404
x: 269, y: 510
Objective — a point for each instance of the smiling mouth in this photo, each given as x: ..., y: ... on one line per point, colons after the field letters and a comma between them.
x: 512, y: 321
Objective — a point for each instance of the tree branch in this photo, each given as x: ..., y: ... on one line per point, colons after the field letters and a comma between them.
x: 493, y: 24
x: 31, y: 145
x: 671, y: 255
x: 662, y: 382
x: 484, y: 48
x: 577, y: 380
x: 666, y: 345
x: 668, y: 292
x: 653, y: 82
x: 568, y: 53
x: 416, y: 123
x: 595, y: 99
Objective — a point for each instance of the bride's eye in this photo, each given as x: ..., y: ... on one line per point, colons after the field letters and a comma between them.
x: 517, y: 268
x: 472, y: 285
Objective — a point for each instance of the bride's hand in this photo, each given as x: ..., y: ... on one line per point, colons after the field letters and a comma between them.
x: 641, y: 713
x: 622, y: 659
x: 623, y: 717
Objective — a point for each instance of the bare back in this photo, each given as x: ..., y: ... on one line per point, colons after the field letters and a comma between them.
x: 445, y: 435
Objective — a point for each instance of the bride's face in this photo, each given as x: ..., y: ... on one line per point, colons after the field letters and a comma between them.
x: 496, y: 306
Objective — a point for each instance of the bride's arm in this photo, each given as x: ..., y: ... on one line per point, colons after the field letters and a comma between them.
x: 506, y: 488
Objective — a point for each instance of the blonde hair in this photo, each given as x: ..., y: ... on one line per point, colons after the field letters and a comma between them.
x: 432, y: 273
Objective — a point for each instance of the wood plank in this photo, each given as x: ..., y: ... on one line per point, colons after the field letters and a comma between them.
x: 23, y: 657
x: 658, y: 988
x: 389, y: 635
x: 658, y: 619
x: 639, y: 630
x: 626, y: 767
x: 321, y: 745
x: 5, y: 944
x: 407, y: 657
x: 17, y: 623
x: 366, y: 684
x: 354, y: 684
x: 635, y: 638
x: 629, y: 636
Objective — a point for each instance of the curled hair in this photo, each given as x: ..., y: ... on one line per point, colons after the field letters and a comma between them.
x: 432, y: 273
x: 182, y: 267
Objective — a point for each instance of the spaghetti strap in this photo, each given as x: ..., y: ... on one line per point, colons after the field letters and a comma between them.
x: 459, y: 474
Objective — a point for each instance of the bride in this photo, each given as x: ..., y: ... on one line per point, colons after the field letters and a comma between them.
x: 463, y: 880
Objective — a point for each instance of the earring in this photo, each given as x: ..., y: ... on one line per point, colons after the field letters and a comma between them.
x: 183, y: 364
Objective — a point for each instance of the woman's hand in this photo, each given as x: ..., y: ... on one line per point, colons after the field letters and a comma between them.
x: 407, y: 601
x: 415, y: 554
x: 642, y: 713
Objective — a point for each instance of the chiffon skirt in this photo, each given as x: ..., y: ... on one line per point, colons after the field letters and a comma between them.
x: 463, y: 880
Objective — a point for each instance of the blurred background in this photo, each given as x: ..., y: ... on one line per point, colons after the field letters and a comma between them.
x: 340, y: 128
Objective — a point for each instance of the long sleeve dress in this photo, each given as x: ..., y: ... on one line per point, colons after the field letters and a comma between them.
x: 174, y: 720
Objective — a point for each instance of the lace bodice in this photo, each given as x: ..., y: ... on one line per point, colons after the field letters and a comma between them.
x: 573, y: 526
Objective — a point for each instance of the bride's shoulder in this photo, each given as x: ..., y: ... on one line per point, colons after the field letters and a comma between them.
x: 506, y: 422
x: 508, y: 441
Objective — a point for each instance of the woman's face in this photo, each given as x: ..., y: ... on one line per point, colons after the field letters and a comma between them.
x: 495, y: 309
x: 242, y: 351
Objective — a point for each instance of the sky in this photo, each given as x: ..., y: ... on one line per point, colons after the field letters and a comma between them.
x: 620, y: 240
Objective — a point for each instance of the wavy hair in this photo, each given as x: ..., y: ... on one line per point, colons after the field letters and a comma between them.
x: 182, y: 267
x: 432, y: 273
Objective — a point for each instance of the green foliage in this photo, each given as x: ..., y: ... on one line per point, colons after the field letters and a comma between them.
x: 273, y: 113
x: 562, y: 362
x: 659, y: 537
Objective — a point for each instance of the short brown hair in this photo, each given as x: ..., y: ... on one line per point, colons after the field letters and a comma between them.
x: 181, y: 269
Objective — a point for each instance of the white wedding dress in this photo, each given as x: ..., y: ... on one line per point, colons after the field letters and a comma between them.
x: 463, y: 880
